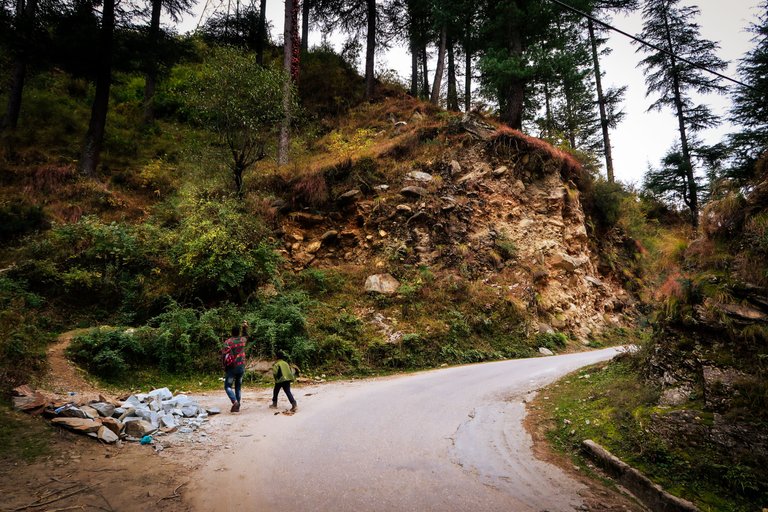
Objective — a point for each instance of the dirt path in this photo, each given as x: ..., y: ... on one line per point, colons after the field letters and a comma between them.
x: 63, y: 376
x: 82, y: 474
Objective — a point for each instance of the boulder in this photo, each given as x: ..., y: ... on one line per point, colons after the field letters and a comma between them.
x: 594, y: 281
x: 423, y: 177
x: 161, y: 393
x: 329, y: 236
x: 71, y: 411
x: 307, y: 219
x: 168, y: 421
x: 455, y: 168
x: 189, y: 411
x: 81, y: 425
x: 313, y: 247
x: 500, y: 171
x: 90, y: 412
x: 139, y: 428
x: 349, y: 196
x: 31, y: 402
x: 545, y: 351
x: 112, y: 424
x: 104, y: 409
x: 382, y: 283
x: 106, y: 435
x: 213, y: 410
x: 414, y: 192
x: 568, y: 263
x: 403, y: 208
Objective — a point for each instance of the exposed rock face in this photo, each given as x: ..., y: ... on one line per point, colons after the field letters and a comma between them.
x: 504, y: 208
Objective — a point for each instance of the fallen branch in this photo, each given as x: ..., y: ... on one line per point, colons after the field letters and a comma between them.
x: 34, y: 504
x: 174, y: 495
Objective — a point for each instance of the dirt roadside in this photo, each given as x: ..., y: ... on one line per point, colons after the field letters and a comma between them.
x: 598, y: 496
x: 83, y: 474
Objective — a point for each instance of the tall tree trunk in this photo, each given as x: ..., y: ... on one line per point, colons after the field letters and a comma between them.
x: 693, y: 199
x: 305, y: 26
x: 601, y: 104
x: 514, y: 92
x: 414, y: 69
x: 440, y: 68
x: 25, y: 15
x: 94, y: 138
x: 370, y: 49
x: 547, y: 110
x: 467, y: 80
x: 424, y: 72
x: 285, y: 136
x: 453, y: 96
x: 262, y: 37
x: 152, y: 64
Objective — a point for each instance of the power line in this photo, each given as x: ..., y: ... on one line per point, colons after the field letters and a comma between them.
x: 646, y: 43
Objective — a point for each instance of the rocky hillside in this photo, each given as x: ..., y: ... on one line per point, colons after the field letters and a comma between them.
x: 497, y: 206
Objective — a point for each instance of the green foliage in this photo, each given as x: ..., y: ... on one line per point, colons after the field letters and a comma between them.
x: 239, y: 100
x: 107, y: 352
x: 222, y: 248
x: 552, y: 340
x: 348, y: 145
x: 611, y: 404
x: 608, y: 201
x: 280, y: 324
x: 23, y: 333
x: 329, y: 86
x: 319, y: 281
x: 506, y: 247
x: 19, y: 217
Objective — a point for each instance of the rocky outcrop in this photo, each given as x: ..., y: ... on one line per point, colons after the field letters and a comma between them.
x: 505, y: 208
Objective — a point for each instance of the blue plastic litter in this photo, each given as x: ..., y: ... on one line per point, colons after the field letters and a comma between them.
x: 146, y: 440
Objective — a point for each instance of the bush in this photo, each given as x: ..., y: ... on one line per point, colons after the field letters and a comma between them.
x: 221, y: 248
x: 23, y: 334
x: 551, y: 340
x: 19, y: 218
x: 280, y: 324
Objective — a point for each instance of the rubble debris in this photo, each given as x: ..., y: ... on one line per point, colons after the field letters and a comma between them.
x: 28, y: 400
x: 135, y: 417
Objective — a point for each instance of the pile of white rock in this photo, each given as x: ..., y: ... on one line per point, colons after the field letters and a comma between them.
x: 139, y: 415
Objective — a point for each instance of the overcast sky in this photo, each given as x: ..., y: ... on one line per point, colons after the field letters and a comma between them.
x: 643, y: 137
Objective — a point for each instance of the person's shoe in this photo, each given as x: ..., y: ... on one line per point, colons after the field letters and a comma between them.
x: 294, y: 408
x: 273, y: 405
x: 235, y: 407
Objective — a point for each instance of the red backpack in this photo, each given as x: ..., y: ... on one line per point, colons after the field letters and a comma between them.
x: 229, y: 355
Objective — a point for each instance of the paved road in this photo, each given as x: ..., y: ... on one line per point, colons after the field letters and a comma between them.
x: 448, y: 440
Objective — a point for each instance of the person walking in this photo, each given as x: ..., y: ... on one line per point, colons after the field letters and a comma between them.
x: 233, y: 355
x: 284, y: 375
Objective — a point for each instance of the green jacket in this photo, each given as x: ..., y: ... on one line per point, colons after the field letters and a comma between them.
x: 282, y: 372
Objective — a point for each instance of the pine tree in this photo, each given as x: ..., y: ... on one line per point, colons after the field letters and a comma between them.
x: 674, y: 74
x: 750, y: 104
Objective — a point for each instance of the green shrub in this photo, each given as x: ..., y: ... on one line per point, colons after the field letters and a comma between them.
x: 107, y: 352
x: 19, y: 218
x: 23, y: 334
x: 221, y: 248
x: 280, y: 324
x: 551, y: 340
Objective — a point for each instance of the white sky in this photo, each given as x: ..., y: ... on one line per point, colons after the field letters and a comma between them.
x: 643, y: 137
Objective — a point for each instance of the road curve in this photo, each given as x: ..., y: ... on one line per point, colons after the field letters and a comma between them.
x: 448, y: 440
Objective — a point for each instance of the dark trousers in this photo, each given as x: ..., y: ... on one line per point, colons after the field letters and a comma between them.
x: 285, y: 386
x: 234, y: 375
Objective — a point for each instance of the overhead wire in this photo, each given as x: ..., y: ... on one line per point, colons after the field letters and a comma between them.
x: 651, y: 45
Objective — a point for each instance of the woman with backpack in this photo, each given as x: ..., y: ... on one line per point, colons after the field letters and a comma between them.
x: 233, y: 357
